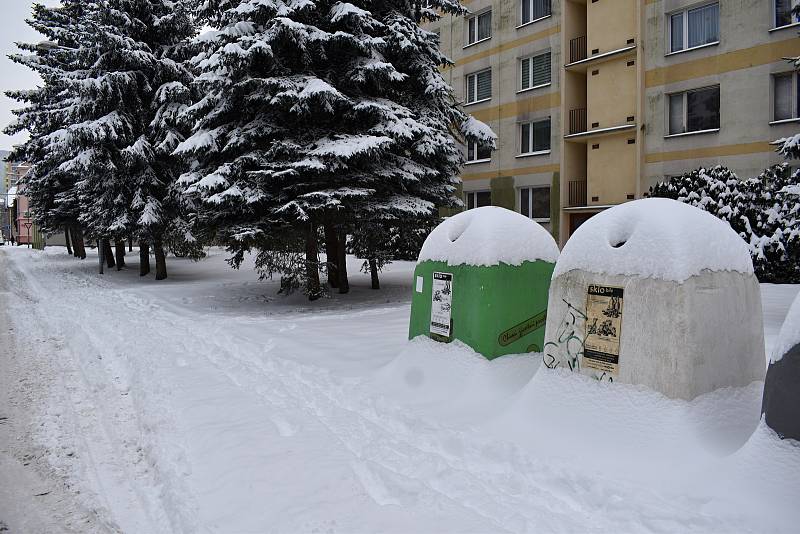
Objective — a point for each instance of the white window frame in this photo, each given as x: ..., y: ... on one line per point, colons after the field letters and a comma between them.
x: 469, y: 41
x: 686, y: 112
x: 475, y: 159
x: 795, y: 105
x: 774, y: 13
x: 519, y: 14
x: 530, y: 57
x: 531, y: 189
x: 685, y: 21
x: 474, y: 76
x: 475, y: 195
x: 531, y: 152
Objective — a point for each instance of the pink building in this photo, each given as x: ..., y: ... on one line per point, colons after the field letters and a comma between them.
x: 23, y: 222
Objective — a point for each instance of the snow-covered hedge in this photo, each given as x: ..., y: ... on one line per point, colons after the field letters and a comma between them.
x: 764, y: 211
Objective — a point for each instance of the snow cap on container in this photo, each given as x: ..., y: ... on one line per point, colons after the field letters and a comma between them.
x: 789, y: 336
x: 781, y: 402
x: 489, y: 236
x: 655, y: 238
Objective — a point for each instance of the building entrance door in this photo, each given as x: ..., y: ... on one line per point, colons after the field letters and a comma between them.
x: 577, y: 219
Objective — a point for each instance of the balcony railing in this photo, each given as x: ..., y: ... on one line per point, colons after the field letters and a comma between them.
x: 577, y: 120
x: 577, y: 49
x: 577, y: 193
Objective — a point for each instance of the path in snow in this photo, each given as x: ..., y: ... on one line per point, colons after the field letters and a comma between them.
x: 33, y: 496
x: 181, y: 411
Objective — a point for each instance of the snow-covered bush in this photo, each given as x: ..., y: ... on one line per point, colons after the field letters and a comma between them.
x: 764, y: 211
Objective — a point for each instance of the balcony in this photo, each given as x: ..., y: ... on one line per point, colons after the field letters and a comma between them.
x: 582, y: 65
x: 576, y: 193
x: 577, y: 121
x: 577, y: 49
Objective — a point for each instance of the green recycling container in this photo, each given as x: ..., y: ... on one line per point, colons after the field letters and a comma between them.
x: 483, y: 278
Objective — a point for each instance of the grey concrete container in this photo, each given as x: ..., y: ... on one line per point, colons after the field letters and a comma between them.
x: 657, y: 293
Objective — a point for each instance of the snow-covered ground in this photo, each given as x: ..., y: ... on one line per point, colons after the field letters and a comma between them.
x: 207, y: 403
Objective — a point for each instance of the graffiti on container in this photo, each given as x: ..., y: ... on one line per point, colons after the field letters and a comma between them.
x: 570, y: 338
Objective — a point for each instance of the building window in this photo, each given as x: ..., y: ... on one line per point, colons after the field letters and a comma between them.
x: 785, y: 103
x: 694, y: 111
x: 534, y: 10
x: 694, y: 27
x: 479, y: 27
x: 479, y: 86
x: 534, y: 137
x: 534, y: 71
x: 477, y: 152
x: 534, y: 202
x: 783, y: 12
x: 477, y: 199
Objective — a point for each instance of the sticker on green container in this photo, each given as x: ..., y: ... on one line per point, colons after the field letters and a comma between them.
x: 523, y: 329
x: 441, y: 303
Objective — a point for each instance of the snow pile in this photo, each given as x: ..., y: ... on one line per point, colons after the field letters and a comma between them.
x: 489, y: 236
x: 655, y: 238
x: 789, y: 335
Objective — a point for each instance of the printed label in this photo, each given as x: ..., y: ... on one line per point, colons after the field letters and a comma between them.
x: 420, y: 284
x: 603, y: 328
x: 441, y: 303
x: 523, y: 329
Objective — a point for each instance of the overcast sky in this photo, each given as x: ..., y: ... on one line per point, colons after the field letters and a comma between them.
x: 12, y: 76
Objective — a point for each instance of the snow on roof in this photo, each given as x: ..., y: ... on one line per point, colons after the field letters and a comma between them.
x: 789, y: 336
x: 489, y: 236
x: 655, y: 238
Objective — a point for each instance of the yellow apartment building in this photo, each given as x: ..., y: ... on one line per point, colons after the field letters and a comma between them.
x: 594, y: 101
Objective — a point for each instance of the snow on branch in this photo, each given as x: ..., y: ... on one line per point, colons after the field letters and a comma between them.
x: 348, y: 146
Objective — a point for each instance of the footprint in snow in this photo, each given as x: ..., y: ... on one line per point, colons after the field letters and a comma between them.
x: 285, y: 428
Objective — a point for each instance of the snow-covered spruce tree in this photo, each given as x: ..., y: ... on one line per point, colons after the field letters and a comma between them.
x: 139, y: 91
x: 315, y: 114
x: 763, y: 210
x: 50, y: 109
x: 106, y: 121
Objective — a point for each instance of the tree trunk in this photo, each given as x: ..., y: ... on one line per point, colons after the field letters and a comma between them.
x: 75, y: 237
x: 108, y: 253
x: 119, y: 249
x: 101, y: 252
x: 161, y: 260
x: 312, y: 269
x: 144, y: 258
x: 66, y: 240
x: 341, y: 249
x: 373, y: 272
x: 332, y: 253
x: 130, y: 244
x: 78, y: 244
